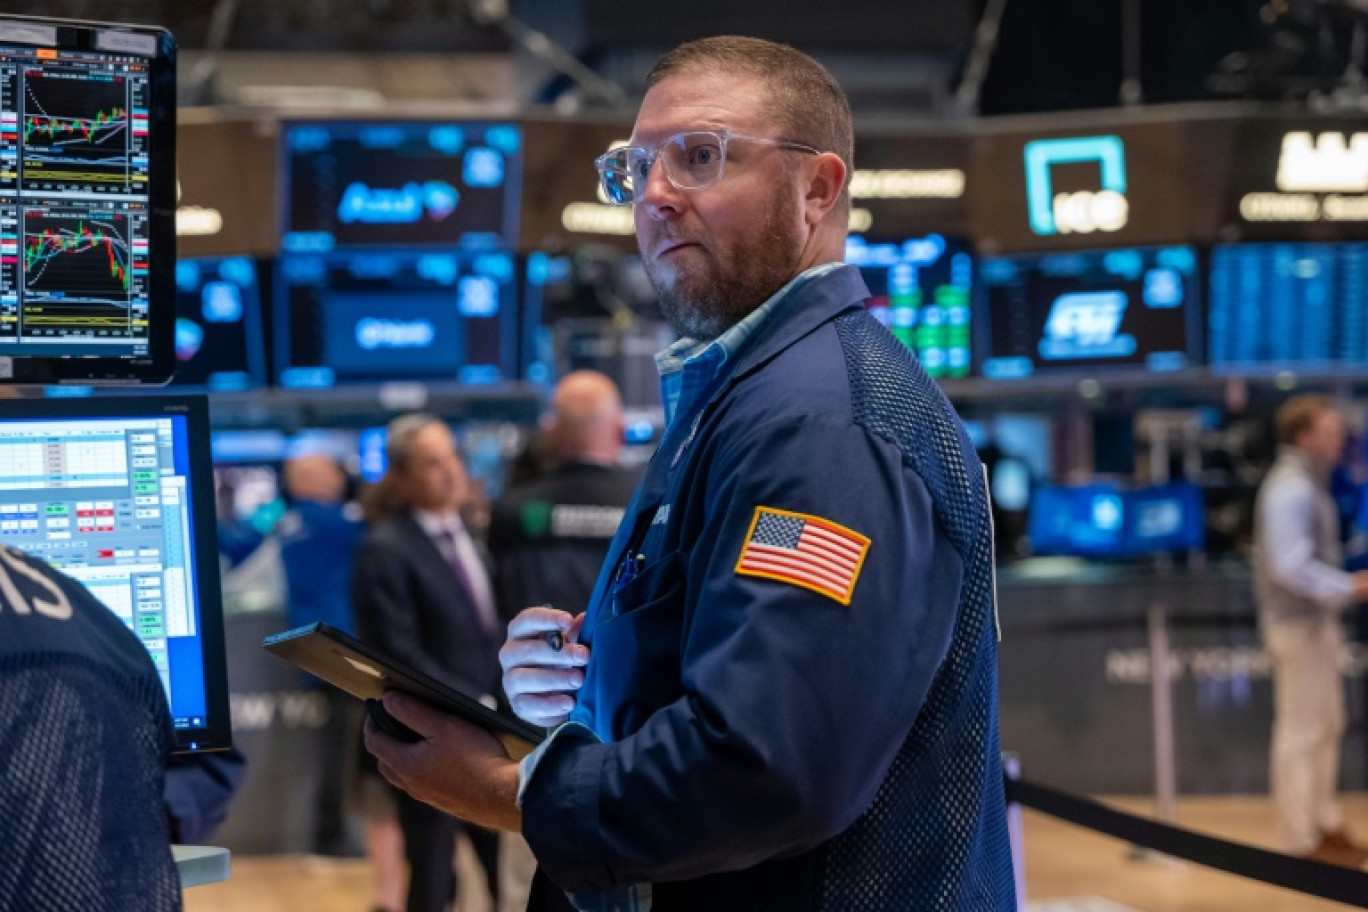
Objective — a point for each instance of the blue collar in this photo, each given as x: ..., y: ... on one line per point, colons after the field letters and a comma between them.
x: 688, y: 366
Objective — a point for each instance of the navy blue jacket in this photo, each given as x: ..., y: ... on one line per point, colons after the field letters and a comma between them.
x: 765, y: 746
x: 318, y: 545
x: 84, y: 734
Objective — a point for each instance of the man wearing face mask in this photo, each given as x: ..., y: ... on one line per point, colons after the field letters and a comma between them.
x: 782, y: 695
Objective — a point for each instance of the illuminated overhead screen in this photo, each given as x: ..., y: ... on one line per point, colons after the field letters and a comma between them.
x: 408, y: 183
x: 1277, y: 307
x: 380, y: 316
x: 1103, y: 311
x: 219, y: 340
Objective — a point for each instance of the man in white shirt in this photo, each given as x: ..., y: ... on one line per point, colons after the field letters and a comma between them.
x: 1301, y: 589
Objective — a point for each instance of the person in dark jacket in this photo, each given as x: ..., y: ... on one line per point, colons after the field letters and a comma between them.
x: 549, y: 535
x: 86, y: 733
x: 422, y: 594
x: 783, y: 693
x: 319, y: 535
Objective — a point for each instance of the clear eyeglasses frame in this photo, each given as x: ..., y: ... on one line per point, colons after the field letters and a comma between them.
x: 693, y: 160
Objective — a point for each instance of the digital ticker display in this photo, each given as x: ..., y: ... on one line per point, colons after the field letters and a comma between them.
x: 1288, y: 306
x: 1106, y: 310
x: 921, y: 290
x: 410, y: 183
x: 379, y: 316
x: 74, y: 202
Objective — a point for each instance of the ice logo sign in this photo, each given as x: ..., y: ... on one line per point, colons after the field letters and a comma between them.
x: 1084, y: 211
x: 372, y: 334
x: 404, y: 205
x: 1086, y: 325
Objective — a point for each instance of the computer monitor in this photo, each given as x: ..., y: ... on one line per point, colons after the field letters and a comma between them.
x: 219, y: 341
x: 403, y: 183
x: 1292, y: 306
x: 404, y: 315
x: 87, y: 202
x: 1105, y: 521
x: 1135, y: 310
x: 921, y: 290
x: 117, y: 492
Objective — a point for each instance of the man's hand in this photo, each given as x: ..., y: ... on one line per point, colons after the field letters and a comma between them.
x: 539, y: 679
x: 458, y: 767
x: 1360, y: 586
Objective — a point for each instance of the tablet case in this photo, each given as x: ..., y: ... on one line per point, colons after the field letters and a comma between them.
x: 347, y: 663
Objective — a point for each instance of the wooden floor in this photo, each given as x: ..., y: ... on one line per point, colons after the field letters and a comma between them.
x: 1068, y: 869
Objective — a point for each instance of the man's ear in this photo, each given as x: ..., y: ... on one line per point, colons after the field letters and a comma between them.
x: 826, y: 179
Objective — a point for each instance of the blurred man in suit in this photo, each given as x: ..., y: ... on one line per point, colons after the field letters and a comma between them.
x: 422, y: 594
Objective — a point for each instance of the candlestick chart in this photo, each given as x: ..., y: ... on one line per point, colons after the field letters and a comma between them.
x: 81, y: 133
x: 80, y: 273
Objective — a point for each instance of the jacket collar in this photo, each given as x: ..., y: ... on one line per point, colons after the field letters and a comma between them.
x: 807, y: 307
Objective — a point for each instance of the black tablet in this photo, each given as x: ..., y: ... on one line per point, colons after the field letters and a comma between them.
x: 87, y: 202
x: 347, y: 663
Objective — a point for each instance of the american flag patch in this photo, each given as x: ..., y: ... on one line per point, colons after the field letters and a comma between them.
x: 807, y: 551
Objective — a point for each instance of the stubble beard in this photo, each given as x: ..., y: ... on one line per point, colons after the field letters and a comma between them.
x: 703, y: 301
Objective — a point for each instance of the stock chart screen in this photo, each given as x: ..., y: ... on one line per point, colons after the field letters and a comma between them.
x: 75, y: 154
x: 409, y: 183
x: 383, y: 316
x: 1136, y: 309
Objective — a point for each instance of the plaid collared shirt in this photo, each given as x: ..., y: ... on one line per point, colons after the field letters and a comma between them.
x: 689, y: 366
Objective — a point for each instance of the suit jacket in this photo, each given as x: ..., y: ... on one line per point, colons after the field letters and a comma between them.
x: 409, y: 604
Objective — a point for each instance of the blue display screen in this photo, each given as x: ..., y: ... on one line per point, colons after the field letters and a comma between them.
x: 410, y: 183
x: 921, y: 289
x: 1102, y: 520
x: 370, y: 447
x: 369, y: 317
x: 219, y: 342
x: 1281, y: 306
x: 107, y: 501
x: 372, y: 335
x: 1132, y: 309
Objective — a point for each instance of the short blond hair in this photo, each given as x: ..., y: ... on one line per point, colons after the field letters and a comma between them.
x: 1296, y: 416
x: 808, y: 103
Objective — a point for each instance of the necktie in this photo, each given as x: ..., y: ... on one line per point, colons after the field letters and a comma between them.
x: 484, y: 610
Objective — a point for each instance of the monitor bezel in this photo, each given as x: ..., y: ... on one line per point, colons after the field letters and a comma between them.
x: 156, y: 368
x: 217, y: 732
